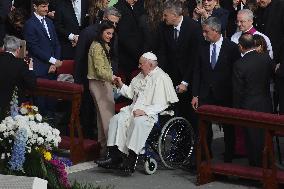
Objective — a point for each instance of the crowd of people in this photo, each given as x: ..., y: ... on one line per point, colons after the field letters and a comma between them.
x: 189, y: 52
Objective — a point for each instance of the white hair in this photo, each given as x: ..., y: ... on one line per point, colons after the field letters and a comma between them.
x: 11, y: 43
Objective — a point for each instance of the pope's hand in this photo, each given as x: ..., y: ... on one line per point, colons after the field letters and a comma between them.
x: 138, y: 112
x: 194, y: 103
x: 181, y: 88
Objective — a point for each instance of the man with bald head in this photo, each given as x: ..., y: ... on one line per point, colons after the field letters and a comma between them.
x: 152, y: 92
x: 251, y: 91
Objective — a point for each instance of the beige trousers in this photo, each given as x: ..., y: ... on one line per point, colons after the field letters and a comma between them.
x: 102, y: 94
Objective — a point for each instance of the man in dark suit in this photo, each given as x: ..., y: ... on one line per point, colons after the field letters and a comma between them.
x: 212, y: 82
x: 5, y: 7
x: 130, y: 36
x: 13, y: 72
x: 269, y: 19
x: 180, y: 39
x: 43, y: 46
x: 70, y: 18
x: 251, y: 91
x: 87, y: 36
x: 42, y: 41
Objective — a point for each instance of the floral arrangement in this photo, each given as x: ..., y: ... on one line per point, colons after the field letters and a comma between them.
x: 26, y: 145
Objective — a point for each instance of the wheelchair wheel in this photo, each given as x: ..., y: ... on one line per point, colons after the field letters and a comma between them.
x: 176, y: 143
x: 150, y: 166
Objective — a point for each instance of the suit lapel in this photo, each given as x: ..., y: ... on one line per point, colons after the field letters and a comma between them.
x: 37, y: 22
x: 170, y: 36
x: 70, y: 5
x: 182, y: 31
x: 83, y: 11
x: 49, y: 29
x: 207, y: 55
x: 221, y: 54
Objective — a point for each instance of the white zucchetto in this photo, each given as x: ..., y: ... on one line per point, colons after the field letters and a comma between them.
x: 150, y: 56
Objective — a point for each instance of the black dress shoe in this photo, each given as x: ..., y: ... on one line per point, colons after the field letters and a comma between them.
x: 127, y: 170
x: 108, y: 163
x: 129, y: 163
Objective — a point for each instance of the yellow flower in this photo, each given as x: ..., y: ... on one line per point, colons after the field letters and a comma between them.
x: 47, y: 156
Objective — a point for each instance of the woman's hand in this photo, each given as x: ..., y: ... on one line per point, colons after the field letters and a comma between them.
x: 117, y: 81
x: 201, y: 12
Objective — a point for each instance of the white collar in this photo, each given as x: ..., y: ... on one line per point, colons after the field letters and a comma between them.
x: 179, y: 24
x: 150, y: 73
x: 247, y: 52
x: 248, y: 29
x: 11, y: 53
x: 219, y: 42
x: 38, y: 16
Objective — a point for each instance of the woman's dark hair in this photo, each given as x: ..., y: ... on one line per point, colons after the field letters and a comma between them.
x: 96, y: 11
x: 154, y: 12
x: 40, y: 2
x: 260, y: 41
x: 104, y: 25
x: 15, y: 22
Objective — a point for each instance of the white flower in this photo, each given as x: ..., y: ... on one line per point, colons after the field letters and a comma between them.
x: 24, y: 110
x: 38, y: 117
x: 35, y: 108
x: 31, y: 117
x: 2, y: 127
x: 40, y: 140
x: 29, y: 149
x: 5, y: 134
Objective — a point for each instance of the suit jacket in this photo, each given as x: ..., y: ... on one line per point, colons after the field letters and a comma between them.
x: 99, y: 66
x: 217, y: 81
x: 5, y: 6
x: 66, y: 22
x: 178, y: 58
x: 13, y: 72
x: 40, y: 47
x: 270, y: 21
x: 130, y: 37
x: 251, y: 82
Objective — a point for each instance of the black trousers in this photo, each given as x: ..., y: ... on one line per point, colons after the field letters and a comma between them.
x: 229, y: 131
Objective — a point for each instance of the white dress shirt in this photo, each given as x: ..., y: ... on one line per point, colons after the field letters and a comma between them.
x: 178, y: 26
x: 218, y: 48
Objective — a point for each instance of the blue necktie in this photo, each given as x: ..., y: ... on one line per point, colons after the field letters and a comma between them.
x: 175, y: 34
x: 213, y: 56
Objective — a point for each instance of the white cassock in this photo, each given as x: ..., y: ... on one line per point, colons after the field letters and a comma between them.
x: 152, y: 94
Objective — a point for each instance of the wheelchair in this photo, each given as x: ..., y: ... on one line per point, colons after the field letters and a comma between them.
x: 170, y: 142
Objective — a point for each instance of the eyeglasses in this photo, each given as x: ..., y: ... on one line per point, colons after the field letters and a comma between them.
x: 207, y: 0
x: 240, y: 21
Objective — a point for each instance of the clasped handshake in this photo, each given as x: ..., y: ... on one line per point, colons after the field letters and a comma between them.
x: 118, y: 83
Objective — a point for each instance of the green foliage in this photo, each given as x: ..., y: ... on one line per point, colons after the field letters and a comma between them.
x: 77, y: 185
x: 52, y: 178
x: 34, y: 165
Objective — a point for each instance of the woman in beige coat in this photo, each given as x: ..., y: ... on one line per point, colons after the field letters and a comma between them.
x: 100, y: 77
